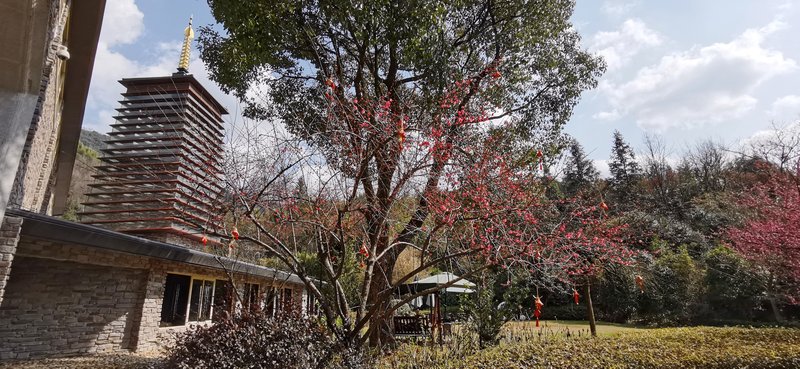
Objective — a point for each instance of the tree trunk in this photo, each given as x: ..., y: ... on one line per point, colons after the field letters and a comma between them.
x: 590, y: 308
x: 776, y: 313
x: 380, y: 330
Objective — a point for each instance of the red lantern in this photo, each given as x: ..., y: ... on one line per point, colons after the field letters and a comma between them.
x: 538, y: 312
x: 539, y: 156
x: 235, y: 233
x: 364, y: 252
x: 640, y: 283
x: 330, y: 83
x: 576, y: 296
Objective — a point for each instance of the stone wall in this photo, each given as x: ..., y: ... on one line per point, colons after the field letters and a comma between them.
x: 56, y: 307
x: 66, y: 299
x: 31, y: 188
x: 28, y: 29
x: 9, y: 236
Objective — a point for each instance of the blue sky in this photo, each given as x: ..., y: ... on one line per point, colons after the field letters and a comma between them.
x: 685, y: 70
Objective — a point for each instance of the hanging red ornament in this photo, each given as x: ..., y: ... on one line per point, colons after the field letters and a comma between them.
x: 329, y: 83
x: 401, y: 133
x: 496, y: 74
x: 576, y: 296
x: 235, y: 233
x: 364, y: 251
x: 538, y: 312
x: 539, y: 156
x: 603, y: 205
x: 640, y: 283
x: 204, y: 240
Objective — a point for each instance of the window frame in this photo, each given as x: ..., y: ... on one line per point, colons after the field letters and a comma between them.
x: 187, y: 309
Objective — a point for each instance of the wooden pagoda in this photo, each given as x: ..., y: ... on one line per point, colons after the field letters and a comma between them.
x: 160, y: 175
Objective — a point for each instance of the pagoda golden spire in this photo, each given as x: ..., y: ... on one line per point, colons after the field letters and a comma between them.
x: 188, y: 35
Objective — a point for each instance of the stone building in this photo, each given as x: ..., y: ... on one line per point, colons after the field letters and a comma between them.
x: 71, y: 289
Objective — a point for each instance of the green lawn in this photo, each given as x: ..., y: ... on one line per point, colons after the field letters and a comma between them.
x: 616, y: 347
x: 574, y: 326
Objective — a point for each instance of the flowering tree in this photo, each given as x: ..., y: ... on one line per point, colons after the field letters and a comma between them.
x: 771, y: 238
x: 588, y: 242
x: 416, y: 125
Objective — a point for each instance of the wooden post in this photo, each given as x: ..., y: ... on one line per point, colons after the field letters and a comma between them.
x: 590, y: 308
x: 439, y: 316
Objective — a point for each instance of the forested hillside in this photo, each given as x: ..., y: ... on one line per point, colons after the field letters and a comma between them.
x: 89, y: 146
x: 714, y: 225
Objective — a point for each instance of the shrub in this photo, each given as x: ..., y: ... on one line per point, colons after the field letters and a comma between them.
x: 673, y: 292
x: 615, y: 295
x: 734, y: 289
x: 565, y: 312
x: 258, y: 341
x: 485, y: 316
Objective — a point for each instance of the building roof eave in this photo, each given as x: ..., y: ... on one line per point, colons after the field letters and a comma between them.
x: 86, y: 19
x: 59, y: 230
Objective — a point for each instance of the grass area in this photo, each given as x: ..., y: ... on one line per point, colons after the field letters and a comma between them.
x: 618, y: 347
x: 576, y: 327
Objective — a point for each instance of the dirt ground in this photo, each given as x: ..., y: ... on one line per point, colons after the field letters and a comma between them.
x: 88, y: 362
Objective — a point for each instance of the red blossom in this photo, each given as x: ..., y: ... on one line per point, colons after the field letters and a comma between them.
x: 771, y: 238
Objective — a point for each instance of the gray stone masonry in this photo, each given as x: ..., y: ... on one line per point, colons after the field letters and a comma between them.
x: 9, y: 236
x: 31, y: 186
x: 65, y: 299
x: 66, y: 308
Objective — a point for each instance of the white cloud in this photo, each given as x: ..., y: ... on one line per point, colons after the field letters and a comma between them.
x: 703, y: 85
x: 778, y: 144
x: 602, y: 167
x: 618, y: 47
x: 618, y: 7
x: 786, y: 107
x: 123, y: 24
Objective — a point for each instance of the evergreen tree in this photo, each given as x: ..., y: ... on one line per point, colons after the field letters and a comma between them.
x: 625, y: 171
x: 301, y: 190
x: 580, y: 173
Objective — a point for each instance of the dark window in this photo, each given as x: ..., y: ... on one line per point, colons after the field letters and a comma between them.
x: 269, y: 301
x: 287, y: 300
x: 223, y: 299
x: 176, y: 295
x: 202, y: 296
x: 250, y: 297
x: 311, y: 304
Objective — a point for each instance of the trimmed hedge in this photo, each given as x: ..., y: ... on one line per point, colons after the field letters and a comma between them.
x: 762, y: 348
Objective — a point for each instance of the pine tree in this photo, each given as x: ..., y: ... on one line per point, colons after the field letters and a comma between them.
x: 301, y: 190
x: 580, y: 172
x: 625, y: 171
